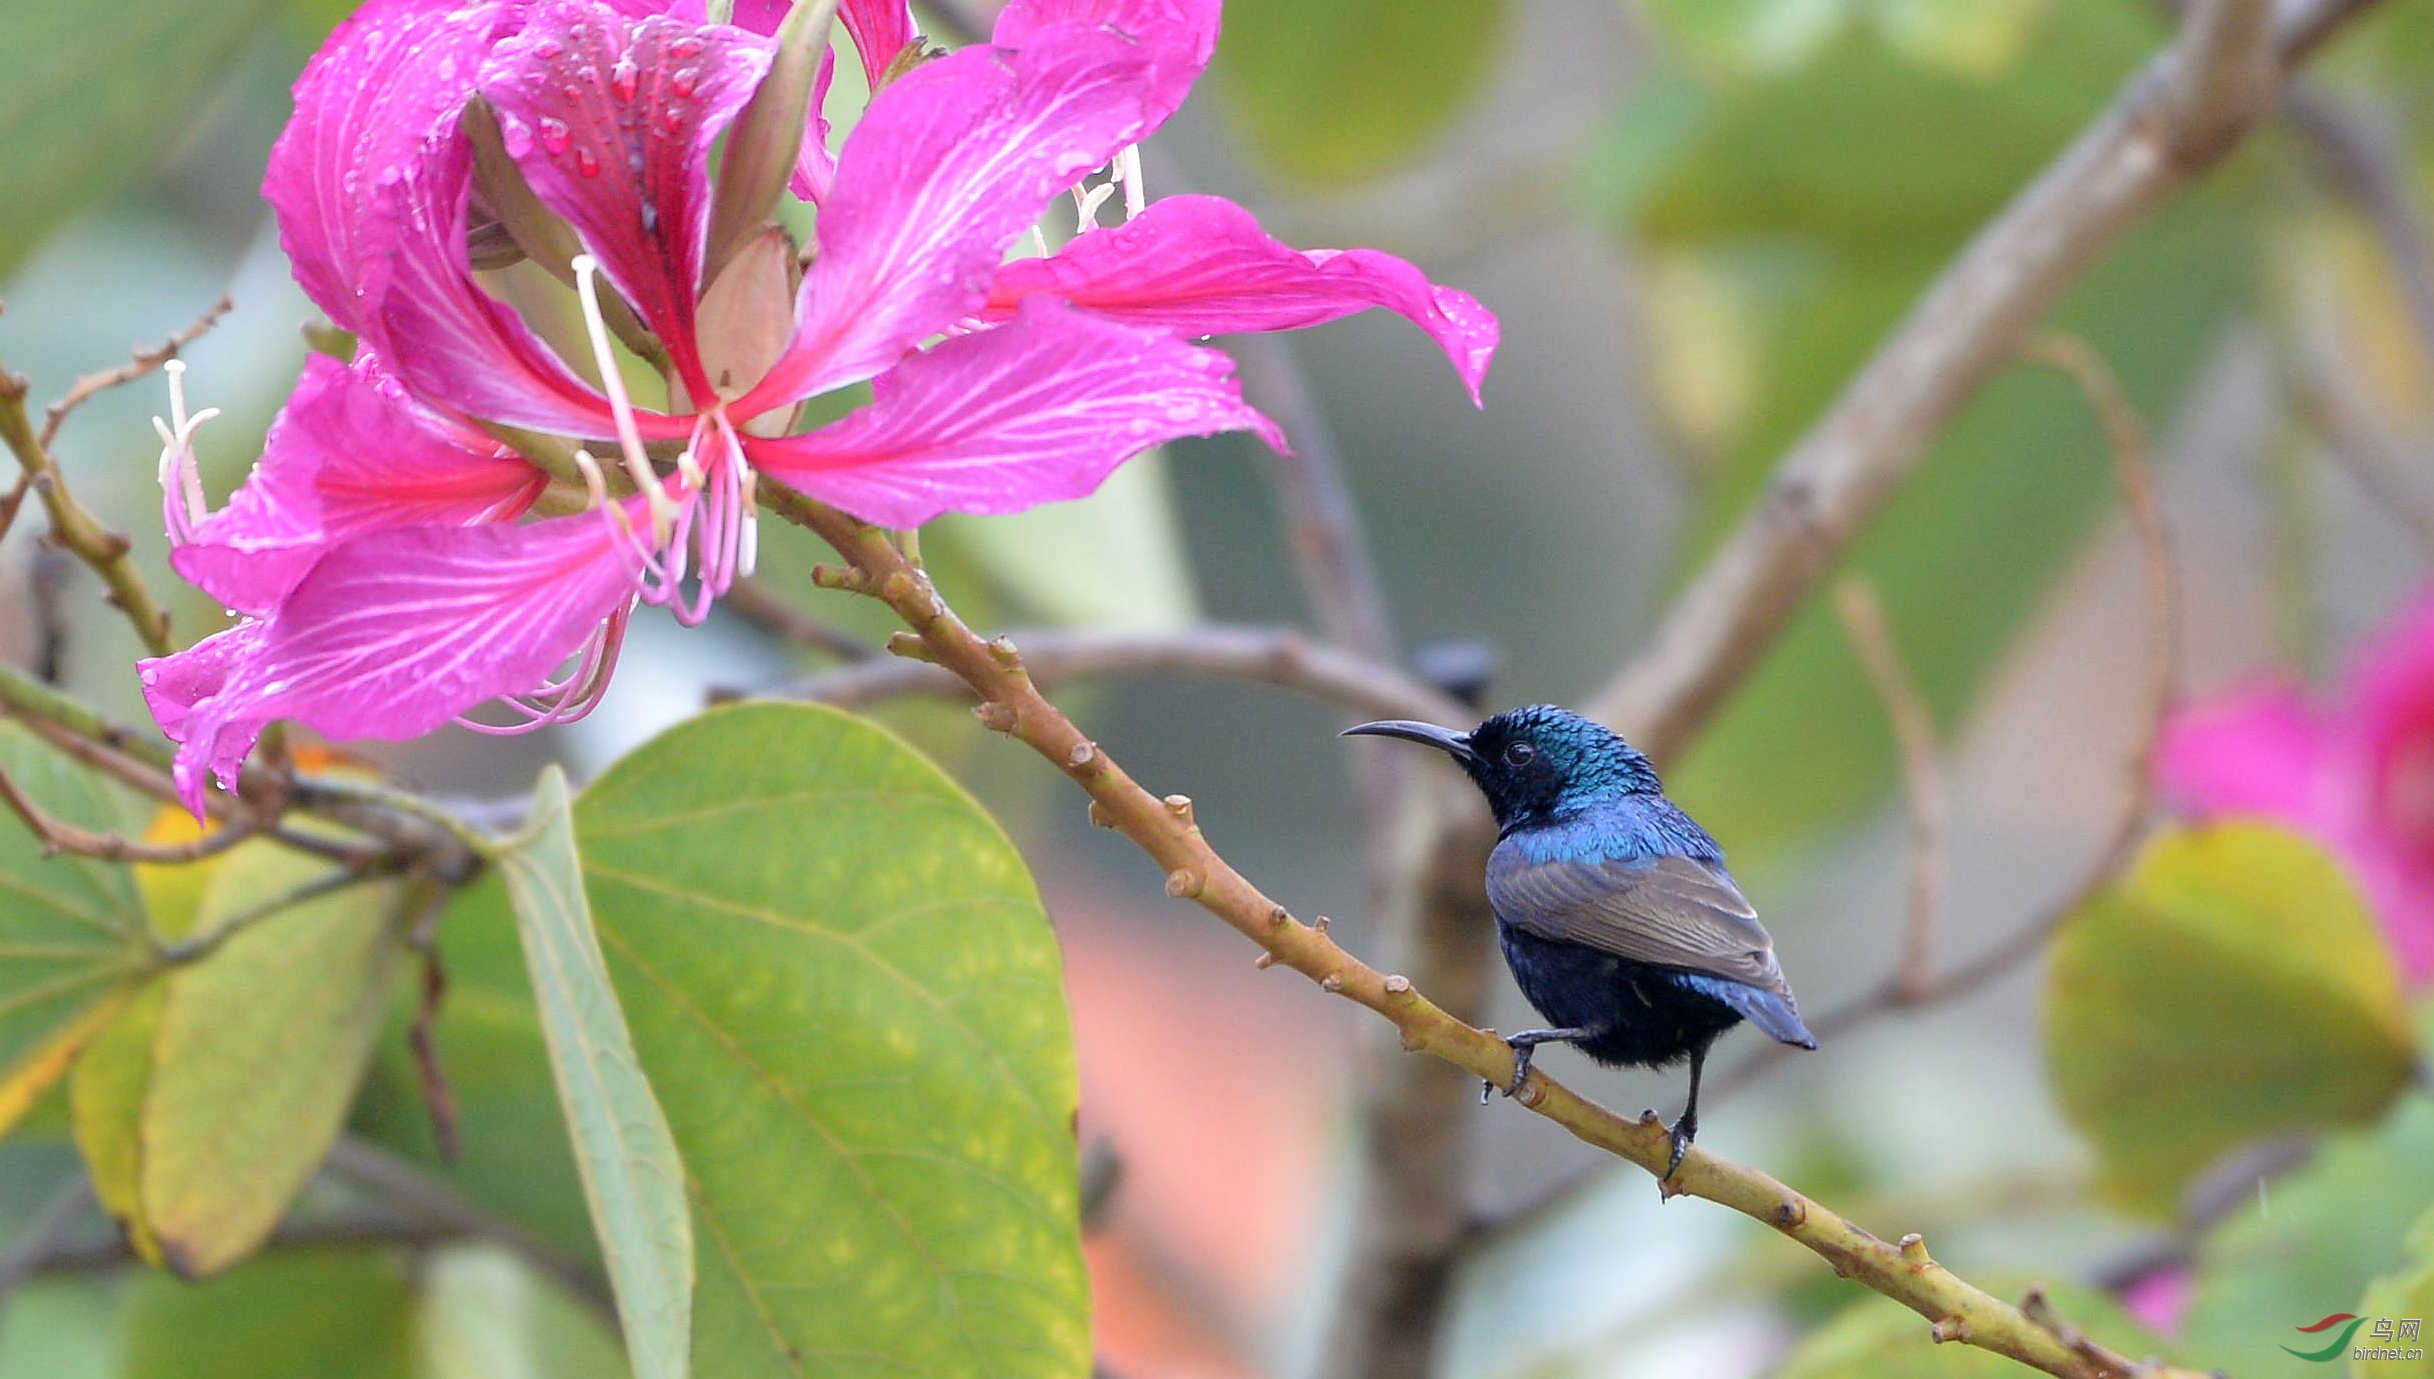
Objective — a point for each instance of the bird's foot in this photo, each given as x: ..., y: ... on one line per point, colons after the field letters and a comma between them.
x: 1523, y: 1045
x: 1683, y: 1132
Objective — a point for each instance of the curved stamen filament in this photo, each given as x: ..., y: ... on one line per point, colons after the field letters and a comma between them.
x: 569, y: 697
x: 183, y: 506
x: 612, y: 380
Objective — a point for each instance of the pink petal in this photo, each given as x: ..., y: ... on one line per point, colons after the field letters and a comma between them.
x: 453, y: 344
x: 2259, y: 751
x: 880, y: 29
x: 373, y: 106
x: 349, y: 453
x: 1200, y: 265
x: 815, y: 168
x: 394, y: 633
x: 1033, y: 412
x: 2160, y: 1299
x: 612, y: 121
x: 1179, y: 35
x: 949, y: 164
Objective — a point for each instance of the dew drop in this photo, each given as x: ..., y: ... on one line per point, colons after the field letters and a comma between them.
x: 624, y: 79
x: 547, y: 50
x: 553, y: 134
x: 586, y: 164
x: 685, y: 48
x: 684, y: 81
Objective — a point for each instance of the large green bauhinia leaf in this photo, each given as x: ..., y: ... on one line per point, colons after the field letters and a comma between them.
x: 71, y: 928
x: 631, y: 1176
x: 2404, y: 1293
x: 1350, y: 88
x: 2231, y: 987
x: 843, y: 987
x: 84, y: 106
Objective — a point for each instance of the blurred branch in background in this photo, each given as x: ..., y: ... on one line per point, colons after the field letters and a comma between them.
x: 778, y: 616
x: 1841, y: 474
x: 1266, y: 655
x: 1872, y: 641
x: 2363, y: 161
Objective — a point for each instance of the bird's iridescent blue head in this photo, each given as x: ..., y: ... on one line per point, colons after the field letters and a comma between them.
x: 1535, y: 764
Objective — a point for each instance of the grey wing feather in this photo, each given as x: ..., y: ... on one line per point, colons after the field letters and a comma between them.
x: 1673, y: 911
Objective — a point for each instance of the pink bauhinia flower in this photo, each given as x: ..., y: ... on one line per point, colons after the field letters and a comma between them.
x: 2355, y: 772
x: 427, y: 529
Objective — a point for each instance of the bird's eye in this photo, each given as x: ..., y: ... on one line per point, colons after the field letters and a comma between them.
x: 1519, y: 754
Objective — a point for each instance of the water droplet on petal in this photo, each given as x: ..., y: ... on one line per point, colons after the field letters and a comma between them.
x: 586, y: 164
x: 685, y: 48
x: 553, y: 134
x: 684, y: 81
x: 624, y: 79
x: 547, y: 50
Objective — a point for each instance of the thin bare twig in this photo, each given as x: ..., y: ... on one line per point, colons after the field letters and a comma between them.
x: 1168, y: 832
x: 200, y: 946
x: 57, y: 835
x: 773, y: 613
x: 145, y: 361
x: 1969, y: 324
x: 73, y: 527
x: 46, y: 579
x: 13, y: 500
x: 2356, y: 438
x: 68, y: 1203
x: 1913, y: 724
x: 1269, y: 655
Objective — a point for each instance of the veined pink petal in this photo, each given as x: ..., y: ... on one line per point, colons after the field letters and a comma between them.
x: 1179, y: 35
x: 1200, y: 265
x: 1001, y: 420
x: 455, y: 344
x: 949, y: 164
x: 349, y: 453
x: 373, y: 107
x: 880, y: 29
x: 392, y: 634
x: 611, y: 121
x: 815, y: 168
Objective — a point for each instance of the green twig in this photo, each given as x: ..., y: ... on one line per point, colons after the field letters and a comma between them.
x: 76, y: 529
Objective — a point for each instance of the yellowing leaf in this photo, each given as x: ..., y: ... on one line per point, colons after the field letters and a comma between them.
x: 106, y: 1107
x: 2232, y: 987
x: 260, y: 1047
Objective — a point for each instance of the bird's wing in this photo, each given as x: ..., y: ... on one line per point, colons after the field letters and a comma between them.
x: 1673, y: 911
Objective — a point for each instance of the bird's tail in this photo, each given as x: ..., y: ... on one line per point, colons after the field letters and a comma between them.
x: 1770, y: 1012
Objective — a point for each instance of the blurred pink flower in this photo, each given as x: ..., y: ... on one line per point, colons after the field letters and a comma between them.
x: 379, y: 551
x: 2159, y: 1299
x: 2356, y: 773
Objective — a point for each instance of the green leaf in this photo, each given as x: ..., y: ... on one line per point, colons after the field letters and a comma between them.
x: 483, y: 1315
x: 296, y: 1314
x: 1352, y: 88
x: 59, y: 1328
x: 2310, y: 1243
x: 259, y: 1050
x: 71, y: 928
x: 84, y: 107
x: 843, y: 986
x: 2406, y: 1292
x: 1878, y: 1338
x: 631, y: 1175
x: 2233, y: 987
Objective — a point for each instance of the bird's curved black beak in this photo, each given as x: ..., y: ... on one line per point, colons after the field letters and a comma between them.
x: 1453, y: 744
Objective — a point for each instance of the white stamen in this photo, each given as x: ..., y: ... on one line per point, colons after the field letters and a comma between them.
x: 629, y: 437
x: 597, y: 484
x: 689, y: 469
x: 1128, y: 172
x: 1090, y: 201
x: 1036, y: 241
x: 181, y: 478
x: 749, y: 559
